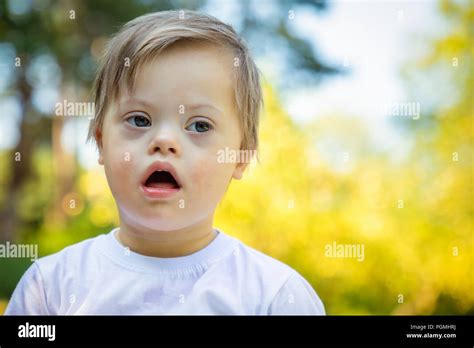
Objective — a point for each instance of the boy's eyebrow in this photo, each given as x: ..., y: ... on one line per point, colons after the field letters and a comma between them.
x: 199, y: 106
x: 135, y: 100
x: 150, y: 105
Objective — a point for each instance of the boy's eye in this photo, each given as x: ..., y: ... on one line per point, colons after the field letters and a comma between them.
x: 139, y: 121
x: 199, y: 126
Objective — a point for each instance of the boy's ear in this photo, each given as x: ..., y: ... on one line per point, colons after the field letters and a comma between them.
x: 98, y: 140
x: 241, y: 166
x: 239, y: 170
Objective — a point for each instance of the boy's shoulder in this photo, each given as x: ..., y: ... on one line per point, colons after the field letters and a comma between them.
x: 260, y: 267
x: 279, y: 288
x: 70, y: 257
x: 260, y: 260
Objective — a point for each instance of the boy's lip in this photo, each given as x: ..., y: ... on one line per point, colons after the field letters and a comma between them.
x: 161, y: 166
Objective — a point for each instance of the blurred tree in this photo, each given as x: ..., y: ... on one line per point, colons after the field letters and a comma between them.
x: 443, y: 162
x: 412, y: 215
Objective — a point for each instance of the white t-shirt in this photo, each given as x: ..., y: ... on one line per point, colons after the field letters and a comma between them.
x: 101, y: 276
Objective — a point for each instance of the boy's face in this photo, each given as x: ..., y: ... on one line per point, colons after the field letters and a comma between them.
x: 181, y: 112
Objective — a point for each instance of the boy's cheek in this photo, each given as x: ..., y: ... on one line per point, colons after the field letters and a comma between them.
x: 199, y: 172
x: 209, y: 175
x: 119, y: 162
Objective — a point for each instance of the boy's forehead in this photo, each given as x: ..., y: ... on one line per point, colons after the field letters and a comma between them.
x: 189, y: 60
x: 194, y: 74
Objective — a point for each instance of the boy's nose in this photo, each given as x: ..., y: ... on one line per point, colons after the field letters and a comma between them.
x: 164, y: 143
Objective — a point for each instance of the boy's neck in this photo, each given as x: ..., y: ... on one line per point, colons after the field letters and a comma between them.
x: 167, y: 243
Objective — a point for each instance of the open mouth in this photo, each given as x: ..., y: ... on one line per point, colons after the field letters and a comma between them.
x: 162, y: 179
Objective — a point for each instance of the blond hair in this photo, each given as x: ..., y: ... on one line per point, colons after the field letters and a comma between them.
x: 141, y: 39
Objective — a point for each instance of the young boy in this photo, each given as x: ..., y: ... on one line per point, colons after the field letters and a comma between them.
x: 172, y: 90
